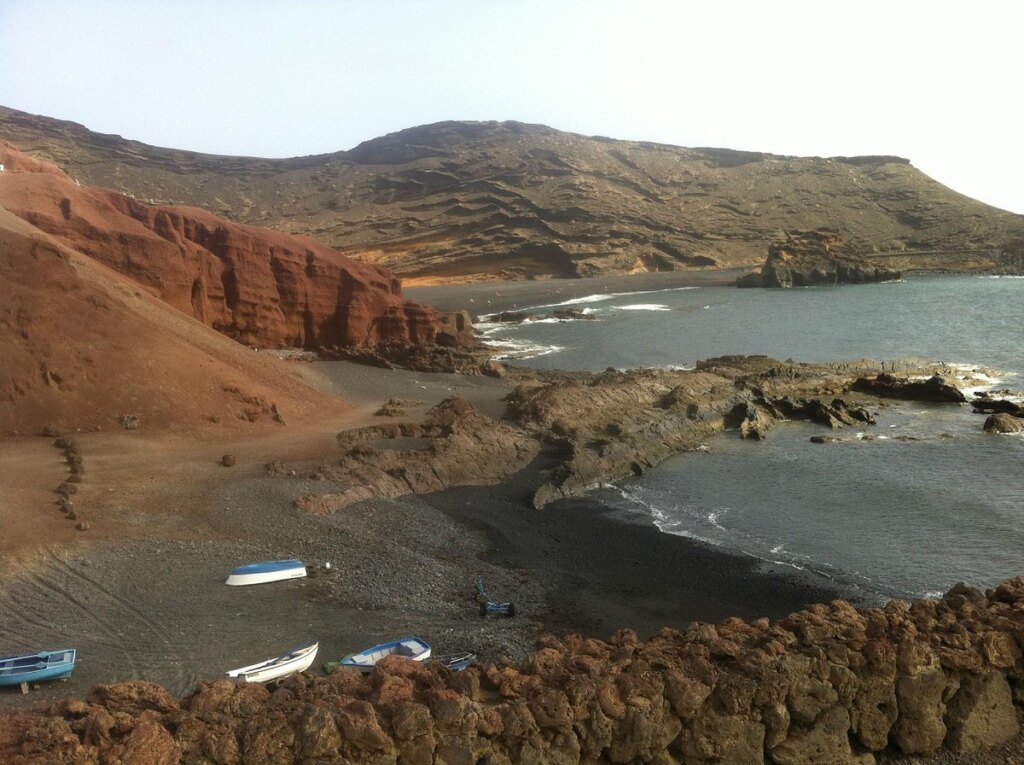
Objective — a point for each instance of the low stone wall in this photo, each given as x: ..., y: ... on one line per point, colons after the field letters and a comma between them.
x: 830, y: 684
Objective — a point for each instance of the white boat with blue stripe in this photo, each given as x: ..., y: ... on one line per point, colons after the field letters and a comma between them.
x: 45, y: 665
x: 290, y: 662
x: 412, y: 648
x: 267, y: 571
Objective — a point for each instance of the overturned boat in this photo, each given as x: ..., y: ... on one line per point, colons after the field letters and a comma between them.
x: 413, y: 648
x: 295, y: 660
x: 32, y: 668
x: 267, y: 571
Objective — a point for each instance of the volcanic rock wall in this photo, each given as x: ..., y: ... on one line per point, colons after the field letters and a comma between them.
x: 486, y: 200
x: 258, y: 286
x: 829, y: 684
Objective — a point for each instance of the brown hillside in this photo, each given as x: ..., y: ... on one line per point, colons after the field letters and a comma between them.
x: 484, y: 200
x: 258, y: 286
x: 82, y: 345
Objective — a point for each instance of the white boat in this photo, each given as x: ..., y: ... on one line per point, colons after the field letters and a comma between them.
x: 296, y: 660
x: 267, y: 571
x: 413, y: 648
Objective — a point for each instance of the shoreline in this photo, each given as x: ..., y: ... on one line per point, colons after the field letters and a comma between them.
x: 492, y: 297
x: 152, y: 604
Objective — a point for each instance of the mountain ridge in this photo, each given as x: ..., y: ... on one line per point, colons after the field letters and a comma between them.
x: 468, y: 201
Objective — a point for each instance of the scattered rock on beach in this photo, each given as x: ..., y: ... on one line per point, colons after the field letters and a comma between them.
x: 82, y: 526
x: 228, y: 460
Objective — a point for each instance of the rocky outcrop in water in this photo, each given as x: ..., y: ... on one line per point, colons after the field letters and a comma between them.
x: 1004, y: 423
x: 808, y: 258
x: 506, y: 200
x: 936, y: 388
x: 829, y: 684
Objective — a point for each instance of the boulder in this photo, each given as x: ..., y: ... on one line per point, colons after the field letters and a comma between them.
x: 921, y: 699
x: 935, y: 389
x: 981, y: 714
x: 1004, y: 423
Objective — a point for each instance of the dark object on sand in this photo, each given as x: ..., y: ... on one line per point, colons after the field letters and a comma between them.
x: 491, y: 607
x: 456, y: 662
x: 228, y: 460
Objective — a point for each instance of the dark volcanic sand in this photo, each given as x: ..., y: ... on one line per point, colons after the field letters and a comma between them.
x: 602, y: 569
x: 490, y: 297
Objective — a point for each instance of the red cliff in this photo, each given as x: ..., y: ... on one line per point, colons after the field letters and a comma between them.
x: 258, y: 286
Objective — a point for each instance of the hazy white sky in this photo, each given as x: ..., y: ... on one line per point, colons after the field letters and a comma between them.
x: 938, y: 82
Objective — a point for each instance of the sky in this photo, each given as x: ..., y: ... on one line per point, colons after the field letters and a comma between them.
x: 936, y: 82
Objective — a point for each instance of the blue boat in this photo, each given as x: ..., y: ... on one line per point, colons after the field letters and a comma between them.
x: 267, y: 571
x: 412, y: 648
x: 45, y: 665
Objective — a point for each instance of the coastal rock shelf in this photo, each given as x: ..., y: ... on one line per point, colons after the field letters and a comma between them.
x: 597, y: 428
x: 829, y: 684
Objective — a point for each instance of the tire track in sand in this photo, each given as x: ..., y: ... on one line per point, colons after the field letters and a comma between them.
x: 164, y: 658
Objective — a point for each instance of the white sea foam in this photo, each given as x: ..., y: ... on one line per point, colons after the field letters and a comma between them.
x: 643, y: 307
x: 601, y: 297
x: 578, y: 301
x: 521, y: 349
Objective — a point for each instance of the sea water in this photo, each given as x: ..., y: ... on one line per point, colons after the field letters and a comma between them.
x: 904, y: 508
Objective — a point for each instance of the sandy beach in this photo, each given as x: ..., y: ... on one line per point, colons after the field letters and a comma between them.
x: 144, y: 597
x: 490, y: 297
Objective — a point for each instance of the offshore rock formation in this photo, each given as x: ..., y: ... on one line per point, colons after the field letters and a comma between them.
x: 936, y: 388
x: 829, y: 684
x: 258, y: 286
x: 486, y: 200
x: 808, y: 258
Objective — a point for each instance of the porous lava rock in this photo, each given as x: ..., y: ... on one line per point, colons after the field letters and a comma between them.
x: 829, y: 684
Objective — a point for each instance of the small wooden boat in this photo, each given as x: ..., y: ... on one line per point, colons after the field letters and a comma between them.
x: 45, y: 665
x: 413, y: 648
x: 457, y: 662
x: 296, y: 660
x: 267, y: 571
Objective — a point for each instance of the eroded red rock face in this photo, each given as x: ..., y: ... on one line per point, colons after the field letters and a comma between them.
x: 258, y: 286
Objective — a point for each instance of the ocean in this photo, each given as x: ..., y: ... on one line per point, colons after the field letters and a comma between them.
x: 905, y: 508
